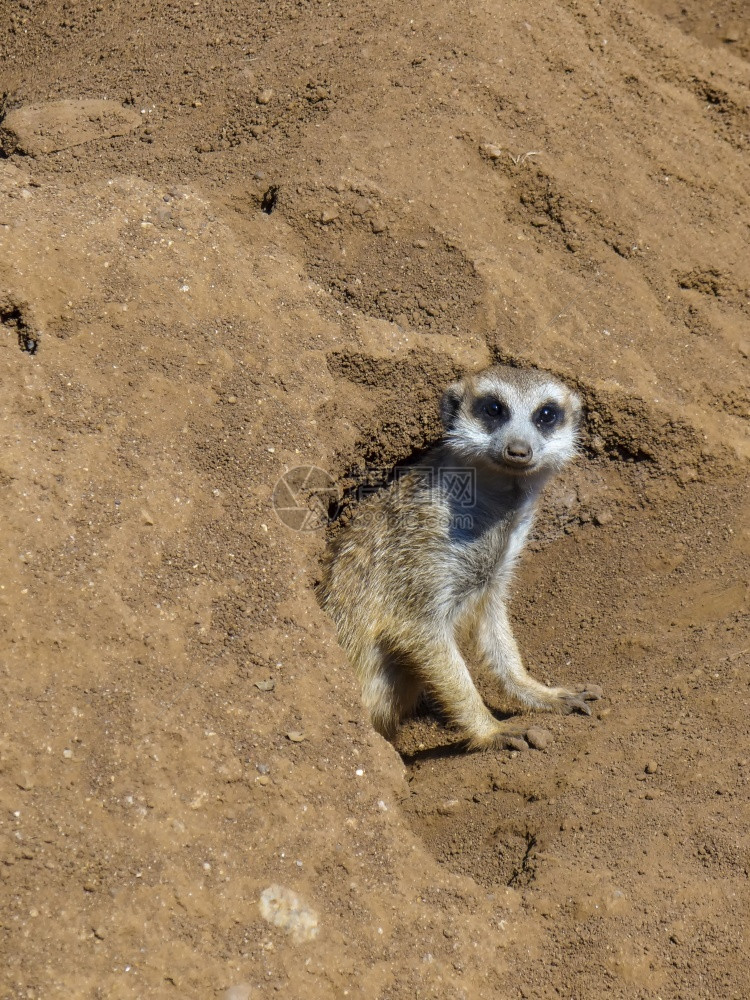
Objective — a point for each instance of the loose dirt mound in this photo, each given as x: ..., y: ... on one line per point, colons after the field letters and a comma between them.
x: 321, y: 216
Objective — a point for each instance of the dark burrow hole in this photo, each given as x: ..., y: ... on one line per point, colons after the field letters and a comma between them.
x: 269, y: 199
x: 12, y: 317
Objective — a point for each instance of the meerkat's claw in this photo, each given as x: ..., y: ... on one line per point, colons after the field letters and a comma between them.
x: 577, y: 700
x: 576, y: 705
x: 498, y: 740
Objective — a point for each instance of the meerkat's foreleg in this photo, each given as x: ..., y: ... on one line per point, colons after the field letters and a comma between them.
x: 446, y: 677
x: 498, y: 648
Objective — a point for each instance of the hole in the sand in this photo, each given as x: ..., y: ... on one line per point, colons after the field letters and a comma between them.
x: 12, y: 317
x: 269, y: 199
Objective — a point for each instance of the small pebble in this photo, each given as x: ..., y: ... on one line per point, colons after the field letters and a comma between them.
x: 329, y: 215
x: 241, y: 991
x: 268, y: 685
x: 595, y: 691
x: 539, y: 738
x: 448, y: 807
x: 264, y: 96
x: 295, y: 736
x: 361, y: 206
x: 283, y: 908
x: 651, y: 767
x: 602, y: 517
x: 491, y: 151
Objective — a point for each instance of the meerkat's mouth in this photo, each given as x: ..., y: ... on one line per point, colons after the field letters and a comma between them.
x: 518, y: 466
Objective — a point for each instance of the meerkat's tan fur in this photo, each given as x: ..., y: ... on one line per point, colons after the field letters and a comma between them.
x: 419, y: 579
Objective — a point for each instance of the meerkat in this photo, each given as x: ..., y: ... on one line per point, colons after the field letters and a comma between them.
x: 418, y: 581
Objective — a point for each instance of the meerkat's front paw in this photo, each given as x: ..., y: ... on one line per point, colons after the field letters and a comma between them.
x: 577, y: 700
x: 501, y: 738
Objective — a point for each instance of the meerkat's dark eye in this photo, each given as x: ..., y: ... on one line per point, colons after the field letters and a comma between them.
x: 548, y: 415
x: 494, y: 408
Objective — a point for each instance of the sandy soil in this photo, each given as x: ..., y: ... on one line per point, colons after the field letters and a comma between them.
x: 286, y: 229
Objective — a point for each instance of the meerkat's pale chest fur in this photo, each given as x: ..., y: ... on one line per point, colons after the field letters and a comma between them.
x: 419, y: 579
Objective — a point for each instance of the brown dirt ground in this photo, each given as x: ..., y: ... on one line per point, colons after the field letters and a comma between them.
x: 324, y: 212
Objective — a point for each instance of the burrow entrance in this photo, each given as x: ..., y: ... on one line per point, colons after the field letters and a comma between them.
x: 13, y: 317
x: 496, y: 816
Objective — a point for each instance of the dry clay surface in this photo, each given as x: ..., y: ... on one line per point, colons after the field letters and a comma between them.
x: 237, y: 239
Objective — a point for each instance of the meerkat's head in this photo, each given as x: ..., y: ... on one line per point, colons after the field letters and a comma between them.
x: 518, y: 421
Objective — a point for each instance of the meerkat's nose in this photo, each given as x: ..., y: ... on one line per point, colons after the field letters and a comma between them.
x: 517, y: 452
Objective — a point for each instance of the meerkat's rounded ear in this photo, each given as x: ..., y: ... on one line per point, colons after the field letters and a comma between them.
x: 450, y: 404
